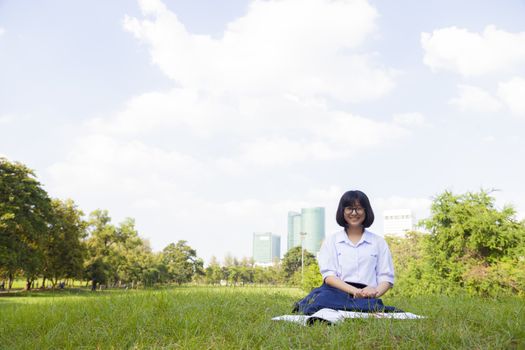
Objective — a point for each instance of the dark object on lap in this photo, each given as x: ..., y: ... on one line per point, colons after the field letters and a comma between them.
x: 333, y: 298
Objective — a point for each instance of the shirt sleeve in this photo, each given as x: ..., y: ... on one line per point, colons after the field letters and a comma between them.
x: 385, y: 266
x: 328, y: 258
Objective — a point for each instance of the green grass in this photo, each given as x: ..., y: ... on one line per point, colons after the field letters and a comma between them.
x: 239, y: 318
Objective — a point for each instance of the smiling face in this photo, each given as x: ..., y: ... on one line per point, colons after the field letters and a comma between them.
x: 354, y: 215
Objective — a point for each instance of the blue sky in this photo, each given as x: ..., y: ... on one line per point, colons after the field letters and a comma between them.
x: 208, y: 120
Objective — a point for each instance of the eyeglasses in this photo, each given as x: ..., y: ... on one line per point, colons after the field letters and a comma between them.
x: 357, y: 210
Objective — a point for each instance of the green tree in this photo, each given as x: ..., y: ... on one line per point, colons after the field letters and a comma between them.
x: 213, y: 272
x: 128, y: 254
x: 470, y: 237
x: 64, y: 249
x: 181, y: 262
x: 312, y: 277
x: 25, y: 212
x: 415, y: 274
x: 101, y: 243
x: 291, y: 262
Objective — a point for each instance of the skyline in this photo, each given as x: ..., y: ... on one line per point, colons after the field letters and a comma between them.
x: 203, y: 122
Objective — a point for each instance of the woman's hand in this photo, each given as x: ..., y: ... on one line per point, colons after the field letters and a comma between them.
x: 368, y: 292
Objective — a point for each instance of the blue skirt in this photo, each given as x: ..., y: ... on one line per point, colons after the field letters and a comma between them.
x: 333, y: 298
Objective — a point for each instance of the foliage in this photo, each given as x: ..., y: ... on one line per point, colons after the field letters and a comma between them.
x: 64, y: 251
x: 311, y: 279
x: 25, y: 213
x: 472, y: 247
x: 181, y: 262
x: 292, y: 261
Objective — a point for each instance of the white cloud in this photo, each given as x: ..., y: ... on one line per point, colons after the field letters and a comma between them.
x: 99, y: 163
x: 473, y: 54
x: 413, y: 119
x: 2, y: 31
x: 6, y: 119
x: 475, y: 99
x: 176, y: 108
x: 513, y: 93
x: 256, y: 98
x: 302, y: 47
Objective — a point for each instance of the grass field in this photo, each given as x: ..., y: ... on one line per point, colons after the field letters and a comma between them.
x: 239, y: 318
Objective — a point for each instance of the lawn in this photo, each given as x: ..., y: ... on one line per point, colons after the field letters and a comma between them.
x: 239, y: 318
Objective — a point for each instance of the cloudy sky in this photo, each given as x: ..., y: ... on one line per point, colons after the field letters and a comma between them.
x: 209, y: 120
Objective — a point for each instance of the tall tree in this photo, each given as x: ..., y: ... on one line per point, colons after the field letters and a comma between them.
x: 25, y: 212
x: 103, y: 237
x: 213, y: 271
x: 132, y: 255
x: 292, y: 261
x: 64, y: 249
x: 181, y: 262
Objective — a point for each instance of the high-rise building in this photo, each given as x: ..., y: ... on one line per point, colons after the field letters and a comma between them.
x: 266, y: 248
x: 313, y: 226
x: 294, y: 229
x: 397, y: 222
x: 308, y: 225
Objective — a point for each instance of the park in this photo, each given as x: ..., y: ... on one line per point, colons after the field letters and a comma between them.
x: 155, y: 153
x: 109, y: 290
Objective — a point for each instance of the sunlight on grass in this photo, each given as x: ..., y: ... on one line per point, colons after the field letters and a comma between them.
x: 215, y: 317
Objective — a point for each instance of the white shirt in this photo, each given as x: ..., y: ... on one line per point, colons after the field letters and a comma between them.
x: 368, y: 262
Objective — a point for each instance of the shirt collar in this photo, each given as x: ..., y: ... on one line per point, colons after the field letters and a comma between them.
x: 342, y: 237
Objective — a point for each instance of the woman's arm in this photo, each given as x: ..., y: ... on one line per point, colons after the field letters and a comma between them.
x: 384, y: 269
x: 336, y: 282
x: 382, y: 288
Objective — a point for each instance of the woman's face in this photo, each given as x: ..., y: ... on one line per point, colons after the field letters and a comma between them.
x: 354, y: 215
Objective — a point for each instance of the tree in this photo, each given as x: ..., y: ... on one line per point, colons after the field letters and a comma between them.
x: 64, y: 249
x: 469, y: 237
x: 128, y: 255
x: 213, y: 272
x: 101, y: 243
x: 312, y: 277
x: 292, y: 261
x: 25, y: 212
x: 181, y: 262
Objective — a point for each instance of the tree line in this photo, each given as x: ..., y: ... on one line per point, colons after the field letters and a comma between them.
x: 288, y: 271
x: 469, y: 246
x: 50, y: 240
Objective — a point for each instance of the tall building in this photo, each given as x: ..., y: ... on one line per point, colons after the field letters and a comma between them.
x: 266, y: 248
x: 313, y: 224
x: 294, y: 229
x: 310, y: 222
x: 398, y: 222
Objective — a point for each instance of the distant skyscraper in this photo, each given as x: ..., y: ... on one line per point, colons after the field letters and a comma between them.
x: 266, y: 248
x: 313, y: 224
x: 294, y: 228
x: 398, y: 222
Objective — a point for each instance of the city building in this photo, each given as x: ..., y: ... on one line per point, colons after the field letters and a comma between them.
x: 397, y: 222
x: 294, y: 229
x: 311, y: 223
x: 266, y: 248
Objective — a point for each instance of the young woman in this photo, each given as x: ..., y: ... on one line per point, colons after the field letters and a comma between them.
x: 355, y: 263
x: 354, y: 259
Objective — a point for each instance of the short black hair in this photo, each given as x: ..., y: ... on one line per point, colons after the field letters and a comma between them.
x: 351, y: 198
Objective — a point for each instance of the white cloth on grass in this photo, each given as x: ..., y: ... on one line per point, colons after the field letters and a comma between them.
x: 336, y: 316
